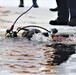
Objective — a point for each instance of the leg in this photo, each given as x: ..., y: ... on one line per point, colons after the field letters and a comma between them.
x: 35, y: 3
x: 21, y: 3
x: 72, y: 6
x: 63, y: 12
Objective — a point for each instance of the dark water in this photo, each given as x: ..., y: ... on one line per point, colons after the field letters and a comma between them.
x: 18, y: 55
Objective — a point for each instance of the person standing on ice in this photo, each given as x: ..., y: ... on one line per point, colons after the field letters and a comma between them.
x: 34, y: 2
x: 66, y: 10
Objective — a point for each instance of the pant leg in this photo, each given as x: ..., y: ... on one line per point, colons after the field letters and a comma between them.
x: 34, y: 1
x: 72, y: 6
x: 57, y: 2
x: 63, y: 13
x: 21, y: 1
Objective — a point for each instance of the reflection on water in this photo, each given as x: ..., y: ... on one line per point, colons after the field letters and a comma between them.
x: 18, y: 55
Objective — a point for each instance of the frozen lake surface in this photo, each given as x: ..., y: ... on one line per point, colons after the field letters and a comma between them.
x: 18, y: 56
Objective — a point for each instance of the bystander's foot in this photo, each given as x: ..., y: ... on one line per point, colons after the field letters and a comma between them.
x: 35, y: 5
x: 72, y: 23
x: 55, y: 22
x: 21, y: 5
x: 55, y: 9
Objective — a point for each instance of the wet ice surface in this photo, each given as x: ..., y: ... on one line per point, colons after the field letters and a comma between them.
x: 18, y: 55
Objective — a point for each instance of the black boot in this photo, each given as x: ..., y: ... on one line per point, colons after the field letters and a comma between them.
x: 21, y: 3
x: 56, y: 22
x: 35, y: 4
x: 54, y: 9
